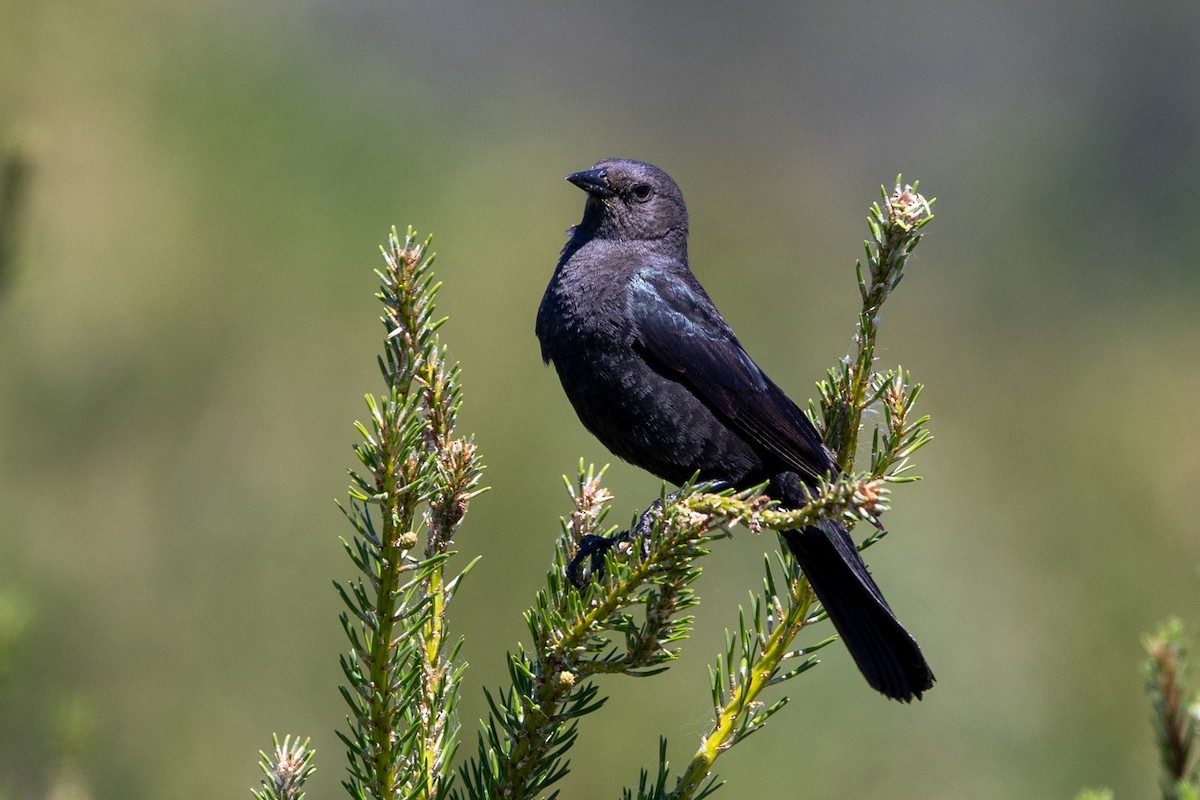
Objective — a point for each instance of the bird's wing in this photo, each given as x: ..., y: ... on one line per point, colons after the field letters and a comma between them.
x: 681, y: 331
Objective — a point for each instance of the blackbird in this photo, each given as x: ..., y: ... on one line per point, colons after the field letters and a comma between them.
x: 656, y: 374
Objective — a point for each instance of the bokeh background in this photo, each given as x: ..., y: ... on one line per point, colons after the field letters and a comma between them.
x: 187, y: 329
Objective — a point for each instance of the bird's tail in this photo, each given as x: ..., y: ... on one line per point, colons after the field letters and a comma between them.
x: 888, y: 657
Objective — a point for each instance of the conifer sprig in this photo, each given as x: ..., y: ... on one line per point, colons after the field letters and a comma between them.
x: 630, y: 621
x: 1174, y: 714
x: 1175, y: 710
x: 286, y: 770
x: 417, y: 477
x: 895, y: 232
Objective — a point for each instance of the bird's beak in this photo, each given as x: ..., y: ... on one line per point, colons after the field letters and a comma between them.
x: 593, y: 181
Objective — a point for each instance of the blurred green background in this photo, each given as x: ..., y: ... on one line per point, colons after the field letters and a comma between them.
x: 187, y: 329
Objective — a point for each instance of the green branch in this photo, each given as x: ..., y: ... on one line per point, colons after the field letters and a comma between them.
x: 1175, y: 714
x: 286, y: 770
x: 630, y: 622
x: 403, y: 683
x: 1175, y: 710
x: 852, y: 386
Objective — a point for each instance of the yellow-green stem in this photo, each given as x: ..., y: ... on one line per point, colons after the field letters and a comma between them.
x: 743, y: 696
x: 381, y: 733
x: 431, y: 750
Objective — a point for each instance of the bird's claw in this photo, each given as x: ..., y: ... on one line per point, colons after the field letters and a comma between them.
x: 589, y: 557
x: 645, y: 527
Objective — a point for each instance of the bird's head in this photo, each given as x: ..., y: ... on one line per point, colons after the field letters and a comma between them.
x: 630, y: 200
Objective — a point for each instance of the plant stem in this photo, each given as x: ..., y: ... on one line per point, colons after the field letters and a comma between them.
x: 735, y: 715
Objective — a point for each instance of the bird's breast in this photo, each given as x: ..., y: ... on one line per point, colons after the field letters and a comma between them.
x: 643, y: 414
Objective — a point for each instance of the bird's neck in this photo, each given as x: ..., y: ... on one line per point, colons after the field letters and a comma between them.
x: 672, y: 242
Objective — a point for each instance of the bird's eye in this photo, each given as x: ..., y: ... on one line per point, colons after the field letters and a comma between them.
x: 642, y: 192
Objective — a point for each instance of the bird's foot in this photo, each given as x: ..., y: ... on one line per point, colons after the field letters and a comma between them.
x: 645, y: 524
x: 588, y: 563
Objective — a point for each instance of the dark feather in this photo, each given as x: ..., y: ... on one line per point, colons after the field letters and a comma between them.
x: 678, y: 327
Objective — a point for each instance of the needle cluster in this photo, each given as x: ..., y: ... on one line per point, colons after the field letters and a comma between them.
x: 402, y: 679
